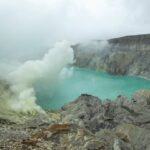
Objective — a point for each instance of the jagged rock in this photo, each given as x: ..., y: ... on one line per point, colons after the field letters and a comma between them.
x: 37, y: 121
x: 138, y: 137
x: 93, y: 114
x: 65, y: 136
x: 142, y: 97
x: 87, y: 123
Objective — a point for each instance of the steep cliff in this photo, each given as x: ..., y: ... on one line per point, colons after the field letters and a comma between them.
x: 124, y: 55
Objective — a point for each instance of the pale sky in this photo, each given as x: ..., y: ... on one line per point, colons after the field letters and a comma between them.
x: 29, y: 26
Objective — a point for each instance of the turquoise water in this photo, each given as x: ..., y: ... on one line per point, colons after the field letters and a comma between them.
x: 91, y: 82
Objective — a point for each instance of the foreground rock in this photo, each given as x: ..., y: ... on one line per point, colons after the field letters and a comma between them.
x: 87, y: 123
x: 125, y: 55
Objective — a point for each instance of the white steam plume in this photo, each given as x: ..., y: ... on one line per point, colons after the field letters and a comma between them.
x: 24, y: 77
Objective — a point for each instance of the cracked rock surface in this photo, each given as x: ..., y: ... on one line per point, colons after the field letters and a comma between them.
x: 87, y: 123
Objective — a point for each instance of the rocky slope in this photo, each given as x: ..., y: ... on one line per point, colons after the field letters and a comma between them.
x: 84, y: 124
x: 125, y: 55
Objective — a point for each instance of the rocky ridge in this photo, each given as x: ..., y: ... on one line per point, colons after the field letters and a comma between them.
x: 87, y: 123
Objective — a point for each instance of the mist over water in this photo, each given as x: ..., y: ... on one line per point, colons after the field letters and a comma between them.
x: 50, y: 82
x: 24, y: 77
x: 29, y: 28
x: 78, y: 81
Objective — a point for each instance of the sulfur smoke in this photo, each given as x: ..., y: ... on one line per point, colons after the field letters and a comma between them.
x: 24, y: 77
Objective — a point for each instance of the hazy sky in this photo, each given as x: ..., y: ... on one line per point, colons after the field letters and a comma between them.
x: 27, y: 26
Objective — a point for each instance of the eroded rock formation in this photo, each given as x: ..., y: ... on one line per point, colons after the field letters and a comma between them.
x: 125, y: 55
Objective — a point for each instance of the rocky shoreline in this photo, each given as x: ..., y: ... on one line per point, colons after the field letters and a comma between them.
x: 87, y: 123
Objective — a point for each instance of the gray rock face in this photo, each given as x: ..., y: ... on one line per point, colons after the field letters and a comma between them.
x: 86, y: 124
x: 125, y: 55
x: 90, y: 113
x: 139, y: 137
x: 123, y: 124
x: 94, y: 115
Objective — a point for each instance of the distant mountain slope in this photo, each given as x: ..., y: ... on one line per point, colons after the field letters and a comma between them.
x: 124, y: 55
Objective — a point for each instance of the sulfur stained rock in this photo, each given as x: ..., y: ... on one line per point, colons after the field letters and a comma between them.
x: 87, y: 123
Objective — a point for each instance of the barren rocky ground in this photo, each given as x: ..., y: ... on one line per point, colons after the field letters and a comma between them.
x: 84, y: 124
